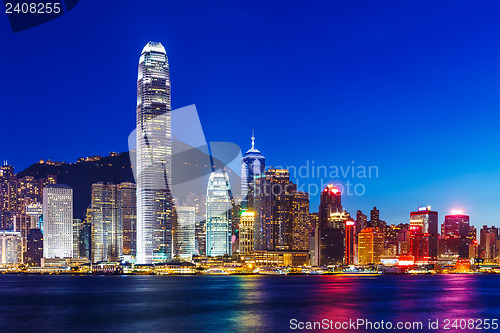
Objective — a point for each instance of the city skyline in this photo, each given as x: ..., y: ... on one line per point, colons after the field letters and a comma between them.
x: 404, y: 78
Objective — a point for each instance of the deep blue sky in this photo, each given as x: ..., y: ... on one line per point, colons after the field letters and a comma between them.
x: 412, y: 87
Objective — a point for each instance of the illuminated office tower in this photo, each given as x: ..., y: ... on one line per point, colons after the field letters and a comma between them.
x: 57, y: 221
x: 370, y: 246
x: 272, y: 207
x: 77, y: 228
x: 219, y: 208
x: 361, y: 221
x: 86, y: 235
x: 247, y: 221
x: 8, y: 196
x: 455, y: 234
x: 374, y: 218
x: 488, y: 242
x: 424, y: 235
x: 107, y: 236
x: 127, y: 216
x: 299, y: 214
x: 332, y: 238
x: 184, y: 233
x: 253, y: 163
x: 10, y: 247
x: 154, y: 157
x: 330, y: 202
x: 350, y: 228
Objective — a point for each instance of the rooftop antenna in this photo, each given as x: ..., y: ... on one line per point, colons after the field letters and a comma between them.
x: 253, y: 140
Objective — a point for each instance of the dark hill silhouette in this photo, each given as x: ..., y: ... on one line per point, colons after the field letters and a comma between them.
x: 80, y: 176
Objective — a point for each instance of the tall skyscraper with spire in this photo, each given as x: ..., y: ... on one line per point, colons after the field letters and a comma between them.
x: 252, y: 164
x: 154, y: 156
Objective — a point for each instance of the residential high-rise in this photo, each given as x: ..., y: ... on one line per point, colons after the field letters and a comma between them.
x: 370, y: 246
x: 57, y: 221
x: 246, y: 228
x: 219, y: 208
x: 154, y: 156
x: 253, y: 163
x: 127, y: 216
x: 184, y: 233
x: 424, y: 235
x: 455, y: 234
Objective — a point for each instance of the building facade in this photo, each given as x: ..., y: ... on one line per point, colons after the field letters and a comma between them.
x: 154, y: 156
x: 219, y: 209
x: 184, y: 233
x: 424, y: 235
x: 57, y: 221
x: 253, y: 163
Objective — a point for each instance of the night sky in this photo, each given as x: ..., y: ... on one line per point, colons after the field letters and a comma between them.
x: 412, y: 87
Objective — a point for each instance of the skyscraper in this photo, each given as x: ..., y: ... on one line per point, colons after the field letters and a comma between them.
x: 247, y: 220
x: 331, y: 235
x: 370, y: 246
x: 219, y: 208
x: 282, y: 213
x: 184, y: 232
x: 330, y: 202
x: 374, y: 218
x: 106, y: 233
x: 272, y: 223
x: 57, y: 221
x: 154, y: 156
x: 253, y: 163
x: 455, y: 234
x: 424, y: 235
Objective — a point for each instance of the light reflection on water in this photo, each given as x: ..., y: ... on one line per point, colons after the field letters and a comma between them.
x: 236, y: 303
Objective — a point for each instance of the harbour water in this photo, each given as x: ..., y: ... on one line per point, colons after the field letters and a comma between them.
x: 57, y: 303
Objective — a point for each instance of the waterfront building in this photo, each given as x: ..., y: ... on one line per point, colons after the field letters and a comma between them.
x: 374, y: 218
x: 184, y: 233
x: 127, y: 217
x: 106, y: 231
x: 370, y: 246
x: 34, y: 248
x: 219, y: 209
x: 77, y: 228
x: 57, y: 221
x: 10, y: 247
x: 252, y: 164
x: 246, y: 231
x: 282, y: 213
x: 424, y: 235
x: 455, y: 235
x: 154, y: 156
x: 488, y: 242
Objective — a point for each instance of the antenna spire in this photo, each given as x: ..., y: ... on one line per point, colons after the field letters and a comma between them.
x: 253, y: 140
